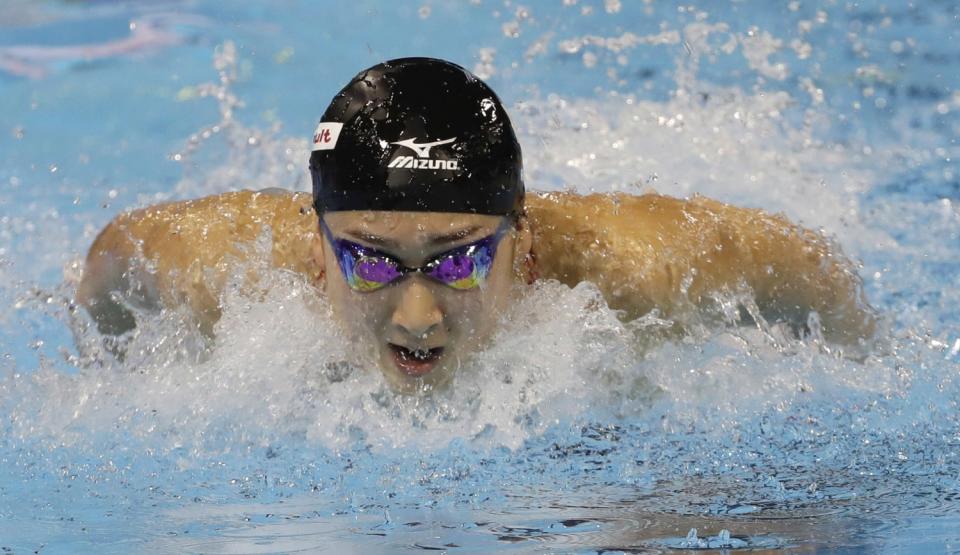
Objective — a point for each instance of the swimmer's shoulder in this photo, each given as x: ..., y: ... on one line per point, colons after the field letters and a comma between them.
x: 570, y: 212
x: 574, y: 204
x: 183, y: 251
x: 215, y: 219
x: 583, y: 237
x: 234, y: 208
x: 636, y: 248
x: 203, y: 232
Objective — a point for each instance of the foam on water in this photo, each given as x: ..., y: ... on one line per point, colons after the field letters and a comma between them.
x: 278, y: 369
x: 568, y: 407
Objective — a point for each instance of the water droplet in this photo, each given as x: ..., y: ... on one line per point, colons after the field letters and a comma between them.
x: 589, y: 59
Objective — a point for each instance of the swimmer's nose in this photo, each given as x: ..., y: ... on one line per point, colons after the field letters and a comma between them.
x: 417, y: 314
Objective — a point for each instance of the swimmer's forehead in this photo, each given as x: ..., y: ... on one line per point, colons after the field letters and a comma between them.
x: 390, y: 228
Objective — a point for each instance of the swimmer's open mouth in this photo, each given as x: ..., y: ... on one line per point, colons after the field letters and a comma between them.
x: 416, y: 362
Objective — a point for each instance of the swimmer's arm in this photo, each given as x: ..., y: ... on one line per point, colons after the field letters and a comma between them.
x: 181, y: 255
x: 658, y: 252
x: 139, y: 263
x: 107, y: 288
x: 791, y: 270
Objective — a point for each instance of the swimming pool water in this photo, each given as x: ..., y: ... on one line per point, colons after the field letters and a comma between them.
x: 574, y: 432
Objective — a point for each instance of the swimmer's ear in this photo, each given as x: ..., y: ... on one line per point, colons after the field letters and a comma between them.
x: 523, y: 259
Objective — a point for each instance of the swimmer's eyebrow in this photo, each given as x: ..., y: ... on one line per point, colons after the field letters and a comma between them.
x: 452, y: 236
x: 432, y: 240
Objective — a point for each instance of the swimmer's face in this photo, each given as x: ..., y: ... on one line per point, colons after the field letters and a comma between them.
x: 421, y: 327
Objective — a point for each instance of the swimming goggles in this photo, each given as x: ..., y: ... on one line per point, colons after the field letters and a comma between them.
x: 465, y: 267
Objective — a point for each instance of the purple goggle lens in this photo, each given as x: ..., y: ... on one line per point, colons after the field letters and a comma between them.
x: 465, y: 267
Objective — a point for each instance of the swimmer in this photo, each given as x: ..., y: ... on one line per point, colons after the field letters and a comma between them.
x: 419, y: 233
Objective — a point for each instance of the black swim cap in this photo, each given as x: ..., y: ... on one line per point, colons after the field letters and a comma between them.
x: 416, y: 134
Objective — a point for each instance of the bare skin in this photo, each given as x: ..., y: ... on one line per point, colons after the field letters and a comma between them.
x: 643, y: 252
x: 653, y: 251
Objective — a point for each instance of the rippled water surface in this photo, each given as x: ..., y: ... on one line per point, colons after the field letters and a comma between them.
x: 574, y: 432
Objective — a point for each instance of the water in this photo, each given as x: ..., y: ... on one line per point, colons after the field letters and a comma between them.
x: 574, y: 432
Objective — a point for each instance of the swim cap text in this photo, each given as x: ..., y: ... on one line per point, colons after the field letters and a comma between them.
x: 409, y: 162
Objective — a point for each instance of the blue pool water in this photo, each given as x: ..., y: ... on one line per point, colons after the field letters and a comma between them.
x: 572, y: 433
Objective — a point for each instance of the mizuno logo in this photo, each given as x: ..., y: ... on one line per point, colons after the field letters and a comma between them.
x: 409, y: 162
x: 423, y: 160
x: 423, y: 149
